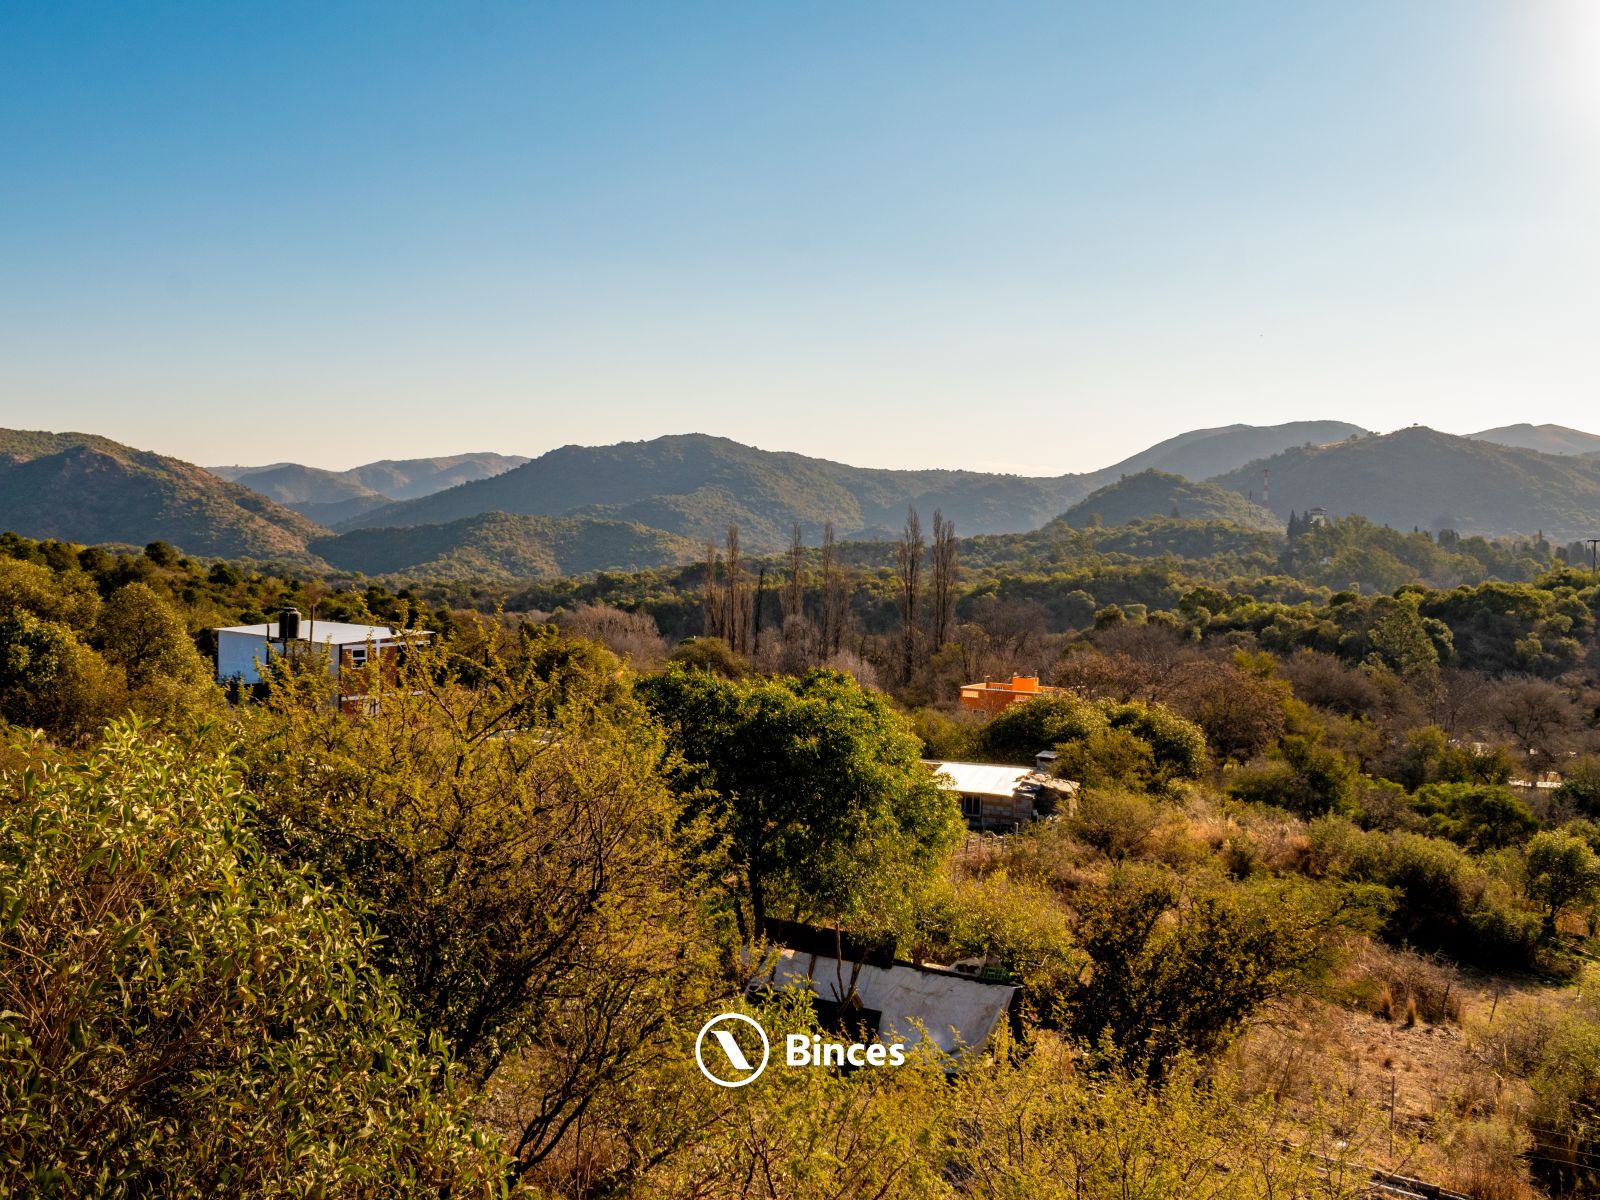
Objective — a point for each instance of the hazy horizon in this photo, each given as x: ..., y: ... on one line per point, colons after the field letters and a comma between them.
x: 1034, y: 239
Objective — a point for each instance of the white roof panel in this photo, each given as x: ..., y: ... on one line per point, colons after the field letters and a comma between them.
x: 337, y: 633
x: 957, y: 1012
x: 982, y: 779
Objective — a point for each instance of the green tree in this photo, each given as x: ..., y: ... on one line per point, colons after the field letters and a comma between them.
x: 49, y: 680
x: 1581, y: 787
x: 66, y: 597
x: 817, y: 782
x: 711, y: 654
x: 182, y: 1016
x: 141, y: 632
x: 1475, y: 815
x: 1304, y: 776
x: 162, y: 554
x: 1562, y: 871
x: 1020, y: 731
x: 1399, y: 640
x: 1177, y: 746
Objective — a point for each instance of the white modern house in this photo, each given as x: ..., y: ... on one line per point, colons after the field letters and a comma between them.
x: 243, y: 649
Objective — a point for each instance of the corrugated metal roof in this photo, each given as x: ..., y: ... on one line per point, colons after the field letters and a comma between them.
x: 957, y: 1012
x: 982, y: 779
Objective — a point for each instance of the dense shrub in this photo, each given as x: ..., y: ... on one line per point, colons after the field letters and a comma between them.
x: 1441, y: 898
x: 1477, y: 816
x: 1099, y: 742
x: 1173, y: 974
x: 181, y: 1016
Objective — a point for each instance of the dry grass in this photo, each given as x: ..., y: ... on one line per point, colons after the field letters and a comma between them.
x: 1400, y: 984
x: 1484, y: 1160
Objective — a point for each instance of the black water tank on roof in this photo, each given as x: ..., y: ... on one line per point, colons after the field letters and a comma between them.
x: 289, y: 624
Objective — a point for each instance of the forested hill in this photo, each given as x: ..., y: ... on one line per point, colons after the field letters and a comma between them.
x: 86, y: 488
x: 1421, y: 478
x: 1157, y: 494
x: 695, y: 485
x: 499, y: 547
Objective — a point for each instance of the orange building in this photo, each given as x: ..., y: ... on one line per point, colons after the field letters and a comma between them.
x: 991, y: 697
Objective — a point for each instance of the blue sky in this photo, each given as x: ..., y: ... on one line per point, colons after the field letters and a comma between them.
x: 1030, y: 237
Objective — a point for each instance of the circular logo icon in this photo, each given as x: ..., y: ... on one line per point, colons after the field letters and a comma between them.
x: 720, y: 1056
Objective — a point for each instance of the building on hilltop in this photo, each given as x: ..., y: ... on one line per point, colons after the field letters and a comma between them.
x: 989, y: 697
x: 242, y: 650
x: 997, y: 798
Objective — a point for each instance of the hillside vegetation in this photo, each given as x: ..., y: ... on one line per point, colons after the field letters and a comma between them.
x: 91, y: 489
x: 695, y: 486
x: 1152, y: 493
x: 1421, y: 478
x: 1300, y: 922
x: 499, y: 547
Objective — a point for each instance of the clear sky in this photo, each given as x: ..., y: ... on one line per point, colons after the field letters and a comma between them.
x: 1009, y: 236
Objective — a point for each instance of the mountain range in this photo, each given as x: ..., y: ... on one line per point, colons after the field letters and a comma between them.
x: 329, y: 497
x: 641, y: 504
x: 695, y: 486
x: 1421, y: 478
x: 1547, y: 439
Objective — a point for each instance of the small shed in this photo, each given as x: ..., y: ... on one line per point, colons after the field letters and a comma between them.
x: 1003, y: 797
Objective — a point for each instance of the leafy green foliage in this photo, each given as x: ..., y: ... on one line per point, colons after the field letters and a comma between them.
x: 1099, y: 742
x: 1304, y: 775
x: 817, y: 782
x: 1171, y: 974
x: 1562, y: 872
x: 182, y: 1016
x: 1440, y: 896
x: 504, y: 823
x: 1477, y: 816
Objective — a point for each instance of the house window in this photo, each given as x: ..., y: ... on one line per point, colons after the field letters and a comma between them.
x: 358, y: 656
x: 971, y: 807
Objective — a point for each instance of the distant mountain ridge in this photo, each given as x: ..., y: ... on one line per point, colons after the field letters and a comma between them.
x: 85, y: 488
x: 1420, y: 477
x: 643, y: 504
x: 329, y: 497
x: 695, y: 485
x: 1547, y: 439
x: 1202, y: 453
